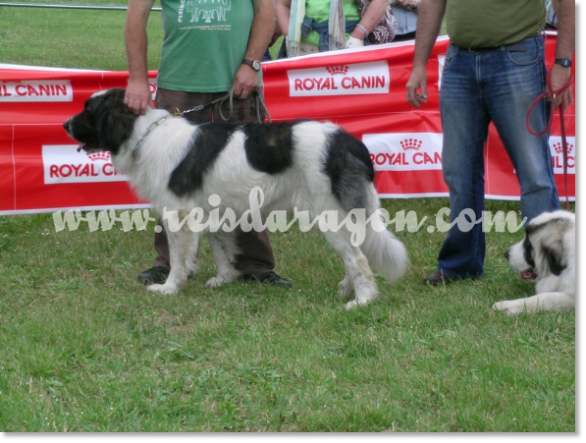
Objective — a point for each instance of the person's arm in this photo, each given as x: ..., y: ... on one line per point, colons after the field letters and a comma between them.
x: 566, y: 41
x: 261, y: 32
x: 283, y: 13
x: 372, y: 17
x: 138, y: 93
x: 431, y: 14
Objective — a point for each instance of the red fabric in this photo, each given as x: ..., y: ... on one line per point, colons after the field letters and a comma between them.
x: 361, y: 90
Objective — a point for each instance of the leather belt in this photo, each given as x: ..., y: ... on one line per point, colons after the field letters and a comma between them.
x: 515, y: 47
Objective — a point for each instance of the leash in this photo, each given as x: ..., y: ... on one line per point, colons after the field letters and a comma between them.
x: 550, y: 123
x: 228, y: 97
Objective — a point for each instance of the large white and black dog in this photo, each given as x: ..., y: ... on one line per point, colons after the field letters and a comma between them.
x: 550, y: 249
x: 178, y: 165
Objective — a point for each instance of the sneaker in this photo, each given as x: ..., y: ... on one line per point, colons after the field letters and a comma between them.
x: 156, y: 275
x: 270, y: 278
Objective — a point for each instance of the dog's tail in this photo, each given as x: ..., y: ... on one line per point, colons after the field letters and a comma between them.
x: 382, y: 249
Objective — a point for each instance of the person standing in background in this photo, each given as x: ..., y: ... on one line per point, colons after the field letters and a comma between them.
x: 312, y: 26
x: 405, y: 12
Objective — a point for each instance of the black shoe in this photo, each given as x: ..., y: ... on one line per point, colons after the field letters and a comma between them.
x: 437, y: 278
x: 270, y: 278
x: 156, y: 275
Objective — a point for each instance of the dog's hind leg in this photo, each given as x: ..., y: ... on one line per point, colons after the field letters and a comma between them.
x: 224, y: 251
x: 183, y: 247
x: 358, y: 274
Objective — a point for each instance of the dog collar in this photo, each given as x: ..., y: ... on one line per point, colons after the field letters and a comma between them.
x: 147, y: 133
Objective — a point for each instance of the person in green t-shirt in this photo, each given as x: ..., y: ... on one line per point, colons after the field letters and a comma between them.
x: 493, y: 71
x: 209, y: 48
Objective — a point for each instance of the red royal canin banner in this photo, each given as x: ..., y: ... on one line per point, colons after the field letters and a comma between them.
x: 361, y: 90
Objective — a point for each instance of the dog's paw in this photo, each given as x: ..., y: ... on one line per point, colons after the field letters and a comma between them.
x: 354, y: 303
x: 215, y: 282
x: 509, y: 307
x: 345, y: 288
x: 163, y: 289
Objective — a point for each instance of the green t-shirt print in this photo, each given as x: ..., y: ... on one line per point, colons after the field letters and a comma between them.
x: 204, y: 43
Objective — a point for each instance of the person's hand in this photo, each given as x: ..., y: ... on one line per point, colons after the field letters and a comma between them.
x: 245, y: 82
x: 413, y: 4
x: 354, y: 42
x: 138, y: 96
x: 560, y: 76
x: 417, y: 82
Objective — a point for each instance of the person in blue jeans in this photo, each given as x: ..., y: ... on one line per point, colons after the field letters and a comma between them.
x: 494, y: 69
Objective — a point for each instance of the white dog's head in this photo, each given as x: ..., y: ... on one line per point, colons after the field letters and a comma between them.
x: 543, y: 251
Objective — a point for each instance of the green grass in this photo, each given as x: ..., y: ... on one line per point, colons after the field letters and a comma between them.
x: 84, y: 347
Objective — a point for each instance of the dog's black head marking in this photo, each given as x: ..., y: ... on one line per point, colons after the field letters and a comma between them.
x: 104, y: 124
x: 549, y: 245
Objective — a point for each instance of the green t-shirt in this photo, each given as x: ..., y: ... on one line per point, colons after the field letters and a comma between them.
x: 489, y: 23
x: 204, y: 43
x: 319, y: 10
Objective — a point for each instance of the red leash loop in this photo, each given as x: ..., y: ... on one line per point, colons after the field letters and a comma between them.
x: 550, y: 123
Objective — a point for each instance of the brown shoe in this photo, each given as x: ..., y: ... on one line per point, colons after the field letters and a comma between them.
x: 437, y: 278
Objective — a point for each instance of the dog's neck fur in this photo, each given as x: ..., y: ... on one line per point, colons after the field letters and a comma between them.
x: 165, y: 137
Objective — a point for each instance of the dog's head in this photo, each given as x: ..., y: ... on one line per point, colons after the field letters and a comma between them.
x: 543, y: 251
x: 104, y: 124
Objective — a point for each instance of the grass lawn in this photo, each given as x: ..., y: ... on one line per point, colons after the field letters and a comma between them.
x: 85, y: 348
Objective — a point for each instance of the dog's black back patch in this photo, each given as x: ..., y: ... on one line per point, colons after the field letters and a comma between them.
x: 269, y: 147
x: 347, y: 164
x: 202, y: 153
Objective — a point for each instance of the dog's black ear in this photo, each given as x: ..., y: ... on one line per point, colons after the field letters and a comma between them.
x: 548, y: 241
x: 115, y: 122
x: 554, y: 257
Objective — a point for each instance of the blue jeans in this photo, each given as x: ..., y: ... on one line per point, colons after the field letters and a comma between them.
x: 477, y: 88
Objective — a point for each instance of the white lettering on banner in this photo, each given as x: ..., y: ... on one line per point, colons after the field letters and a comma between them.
x: 36, y: 91
x: 557, y: 154
x: 64, y: 164
x: 405, y: 151
x: 363, y: 78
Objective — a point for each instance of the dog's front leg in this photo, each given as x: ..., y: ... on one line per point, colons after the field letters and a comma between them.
x: 549, y: 301
x: 183, y: 247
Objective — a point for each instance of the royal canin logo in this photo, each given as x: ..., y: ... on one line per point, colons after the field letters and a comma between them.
x: 97, y: 156
x: 63, y: 164
x: 405, y: 152
x: 36, y: 91
x: 355, y: 79
x: 559, y: 148
x: 557, y: 154
x: 411, y: 143
x: 337, y: 69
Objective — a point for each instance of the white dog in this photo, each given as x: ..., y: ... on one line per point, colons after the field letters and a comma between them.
x: 550, y: 249
x: 181, y: 166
